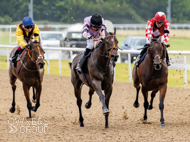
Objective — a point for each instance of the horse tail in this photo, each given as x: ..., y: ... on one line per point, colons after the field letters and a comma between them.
x: 70, y: 64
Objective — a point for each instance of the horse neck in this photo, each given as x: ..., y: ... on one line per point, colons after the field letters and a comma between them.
x: 29, y: 63
x: 101, y: 55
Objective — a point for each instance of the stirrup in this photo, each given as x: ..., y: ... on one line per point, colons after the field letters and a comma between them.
x: 78, y: 69
x: 137, y: 61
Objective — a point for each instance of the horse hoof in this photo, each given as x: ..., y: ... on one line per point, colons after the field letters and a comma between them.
x: 34, y: 101
x: 34, y: 109
x: 106, y: 111
x: 106, y: 127
x: 136, y: 105
x: 150, y: 107
x: 87, y: 105
x: 12, y: 109
x: 162, y: 125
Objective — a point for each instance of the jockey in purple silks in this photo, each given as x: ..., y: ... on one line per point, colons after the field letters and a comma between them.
x: 91, y: 29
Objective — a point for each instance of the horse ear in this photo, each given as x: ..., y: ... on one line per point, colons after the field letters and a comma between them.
x: 164, y: 51
x: 115, y: 31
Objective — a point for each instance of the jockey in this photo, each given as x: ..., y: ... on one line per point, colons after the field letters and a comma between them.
x: 156, y: 28
x: 92, y: 25
x: 24, y: 32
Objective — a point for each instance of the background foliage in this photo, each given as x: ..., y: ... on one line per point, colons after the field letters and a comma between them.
x: 73, y: 11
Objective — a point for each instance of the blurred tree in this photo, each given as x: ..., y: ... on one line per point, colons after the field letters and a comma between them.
x: 73, y: 11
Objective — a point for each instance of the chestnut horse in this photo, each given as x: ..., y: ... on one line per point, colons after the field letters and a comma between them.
x: 98, y: 74
x: 30, y: 69
x: 152, y: 74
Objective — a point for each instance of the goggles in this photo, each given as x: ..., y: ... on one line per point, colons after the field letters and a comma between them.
x: 28, y: 27
x: 159, y: 23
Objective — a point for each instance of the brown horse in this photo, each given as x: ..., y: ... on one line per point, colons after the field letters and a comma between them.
x: 30, y: 69
x: 152, y: 74
x: 98, y: 74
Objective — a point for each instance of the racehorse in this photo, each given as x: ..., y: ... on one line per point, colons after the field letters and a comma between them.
x: 98, y: 74
x: 30, y: 69
x: 152, y: 74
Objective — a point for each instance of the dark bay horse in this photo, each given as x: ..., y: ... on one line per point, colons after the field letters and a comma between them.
x: 98, y: 74
x: 30, y: 69
x: 152, y: 74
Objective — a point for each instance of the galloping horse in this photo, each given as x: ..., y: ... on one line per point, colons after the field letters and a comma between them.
x: 30, y: 72
x: 152, y: 74
x: 98, y: 74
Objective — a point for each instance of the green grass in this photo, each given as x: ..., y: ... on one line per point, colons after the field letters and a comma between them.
x: 175, y: 77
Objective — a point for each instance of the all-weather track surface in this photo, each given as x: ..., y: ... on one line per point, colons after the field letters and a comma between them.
x: 57, y: 117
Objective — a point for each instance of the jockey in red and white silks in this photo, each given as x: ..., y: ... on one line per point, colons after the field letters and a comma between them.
x: 156, y: 28
x: 152, y: 31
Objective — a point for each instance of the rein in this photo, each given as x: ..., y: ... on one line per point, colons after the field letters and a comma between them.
x: 109, y: 50
x: 34, y: 60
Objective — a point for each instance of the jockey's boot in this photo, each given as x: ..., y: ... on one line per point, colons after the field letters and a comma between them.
x: 82, y: 61
x: 167, y: 59
x: 14, y: 57
x: 137, y: 61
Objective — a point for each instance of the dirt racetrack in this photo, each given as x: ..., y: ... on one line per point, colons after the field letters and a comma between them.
x: 57, y: 117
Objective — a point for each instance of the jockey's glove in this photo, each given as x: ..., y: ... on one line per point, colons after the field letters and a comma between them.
x: 89, y: 37
x: 35, y: 41
x: 102, y: 37
x: 27, y: 46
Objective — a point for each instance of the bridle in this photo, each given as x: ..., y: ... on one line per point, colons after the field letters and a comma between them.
x: 109, y: 50
x: 157, y: 57
x: 33, y: 59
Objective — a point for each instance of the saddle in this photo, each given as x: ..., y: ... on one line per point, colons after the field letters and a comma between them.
x: 18, y: 56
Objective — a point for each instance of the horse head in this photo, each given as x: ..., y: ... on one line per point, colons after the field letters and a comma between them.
x: 157, y: 53
x: 36, y: 53
x: 111, y: 43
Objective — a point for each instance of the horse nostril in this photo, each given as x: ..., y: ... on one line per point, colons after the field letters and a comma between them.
x: 41, y: 65
x: 157, y: 66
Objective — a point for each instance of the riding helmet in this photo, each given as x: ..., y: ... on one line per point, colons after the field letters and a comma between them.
x: 96, y: 21
x: 160, y: 17
x: 28, y: 21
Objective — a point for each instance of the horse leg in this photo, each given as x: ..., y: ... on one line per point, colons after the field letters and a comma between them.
x: 97, y: 87
x: 12, y: 82
x: 26, y: 93
x: 77, y: 90
x: 136, y: 85
x: 34, y: 95
x: 108, y: 93
x: 136, y: 103
x: 145, y: 94
x: 38, y: 93
x: 161, y: 105
x: 152, y: 98
x: 89, y: 103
